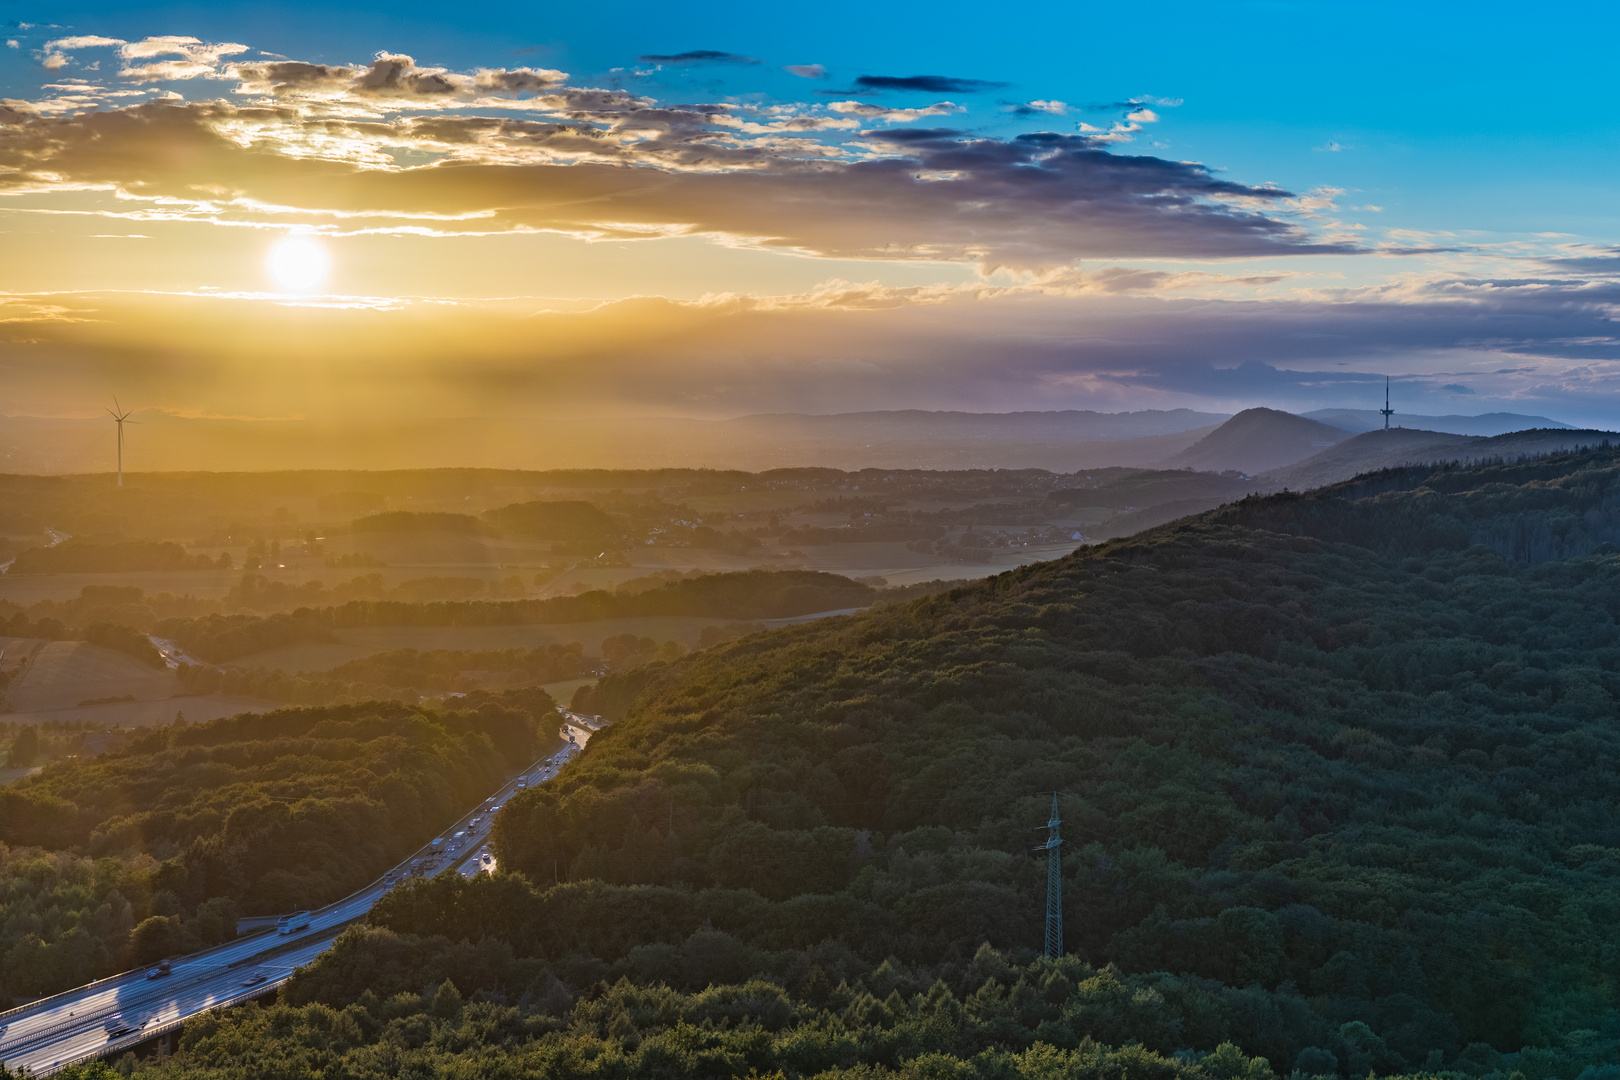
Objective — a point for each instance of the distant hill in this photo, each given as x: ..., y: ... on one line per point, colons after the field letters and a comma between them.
x: 1061, y: 440
x: 1496, y: 423
x: 1403, y: 446
x: 1256, y: 441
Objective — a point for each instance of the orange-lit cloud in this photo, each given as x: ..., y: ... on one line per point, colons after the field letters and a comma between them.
x: 393, y: 143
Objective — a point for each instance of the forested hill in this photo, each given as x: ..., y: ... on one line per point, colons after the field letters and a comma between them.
x: 1340, y: 797
x: 1341, y: 758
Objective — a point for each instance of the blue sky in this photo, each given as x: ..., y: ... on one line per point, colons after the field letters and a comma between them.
x: 1498, y: 117
x: 1447, y: 161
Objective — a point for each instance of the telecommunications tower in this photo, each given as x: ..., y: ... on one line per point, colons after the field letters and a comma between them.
x: 1386, y: 410
x: 1054, y: 883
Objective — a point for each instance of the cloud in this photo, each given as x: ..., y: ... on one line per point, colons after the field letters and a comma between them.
x: 53, y: 56
x: 928, y: 84
x: 933, y: 194
x: 1456, y: 388
x: 1592, y: 260
x: 1330, y: 148
x: 195, y: 57
x: 1131, y: 104
x: 806, y: 71
x: 83, y: 41
x: 698, y: 56
x: 893, y: 116
x: 1038, y: 108
x: 391, y: 78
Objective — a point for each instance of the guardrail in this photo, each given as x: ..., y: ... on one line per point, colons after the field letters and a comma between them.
x: 18, y: 1011
x: 153, y: 1031
x: 292, y: 945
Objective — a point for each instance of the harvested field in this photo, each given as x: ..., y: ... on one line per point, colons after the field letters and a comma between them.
x: 64, y: 673
x: 305, y: 656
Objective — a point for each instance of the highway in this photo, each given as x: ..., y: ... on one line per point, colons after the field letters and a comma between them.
x: 55, y: 1032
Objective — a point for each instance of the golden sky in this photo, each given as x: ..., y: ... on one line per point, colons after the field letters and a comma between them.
x: 203, y: 228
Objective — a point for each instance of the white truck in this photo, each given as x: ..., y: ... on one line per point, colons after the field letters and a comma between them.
x: 291, y: 924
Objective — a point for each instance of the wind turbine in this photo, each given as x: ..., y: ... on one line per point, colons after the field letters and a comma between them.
x: 119, y: 417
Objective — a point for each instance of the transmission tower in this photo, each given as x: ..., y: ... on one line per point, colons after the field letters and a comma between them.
x: 1386, y: 410
x: 1054, y: 883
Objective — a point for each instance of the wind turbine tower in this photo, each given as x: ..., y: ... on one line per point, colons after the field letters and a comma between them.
x: 1386, y: 410
x: 1054, y: 883
x: 120, y: 415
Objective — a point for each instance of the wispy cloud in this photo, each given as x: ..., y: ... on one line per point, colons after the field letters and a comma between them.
x: 698, y: 56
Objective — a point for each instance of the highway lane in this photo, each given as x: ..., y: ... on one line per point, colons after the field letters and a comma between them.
x: 185, y: 993
x: 58, y: 1031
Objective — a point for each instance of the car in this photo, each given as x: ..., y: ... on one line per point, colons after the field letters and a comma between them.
x: 255, y: 977
x: 163, y: 968
x: 117, y: 1024
x: 486, y: 857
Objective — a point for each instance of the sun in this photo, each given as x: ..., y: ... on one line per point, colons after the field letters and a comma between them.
x: 297, y: 263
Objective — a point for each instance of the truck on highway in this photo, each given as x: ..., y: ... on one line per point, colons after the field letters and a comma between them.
x: 291, y: 924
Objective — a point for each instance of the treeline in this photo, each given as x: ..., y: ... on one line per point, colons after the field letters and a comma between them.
x: 125, y: 556
x: 256, y: 592
x: 747, y: 595
x: 124, y: 605
x: 154, y: 847
x: 406, y: 674
x: 815, y: 536
x: 1325, y: 752
x: 362, y: 1009
x: 220, y: 638
x: 123, y: 639
x: 562, y: 520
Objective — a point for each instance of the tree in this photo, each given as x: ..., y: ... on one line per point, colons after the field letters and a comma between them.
x: 24, y: 748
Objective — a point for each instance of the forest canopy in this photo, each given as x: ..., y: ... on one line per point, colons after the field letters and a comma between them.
x: 156, y: 847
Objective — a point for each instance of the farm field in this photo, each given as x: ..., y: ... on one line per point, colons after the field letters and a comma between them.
x: 364, y: 641
x: 64, y: 674
x: 682, y: 628
x: 563, y: 692
x: 25, y: 589
x: 194, y: 709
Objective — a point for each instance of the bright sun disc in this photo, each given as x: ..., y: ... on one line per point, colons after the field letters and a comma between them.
x: 297, y: 264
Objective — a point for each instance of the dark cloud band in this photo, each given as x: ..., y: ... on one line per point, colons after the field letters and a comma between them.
x: 698, y: 56
x: 928, y: 84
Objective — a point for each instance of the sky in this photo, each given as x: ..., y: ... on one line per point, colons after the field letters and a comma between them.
x: 407, y: 209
